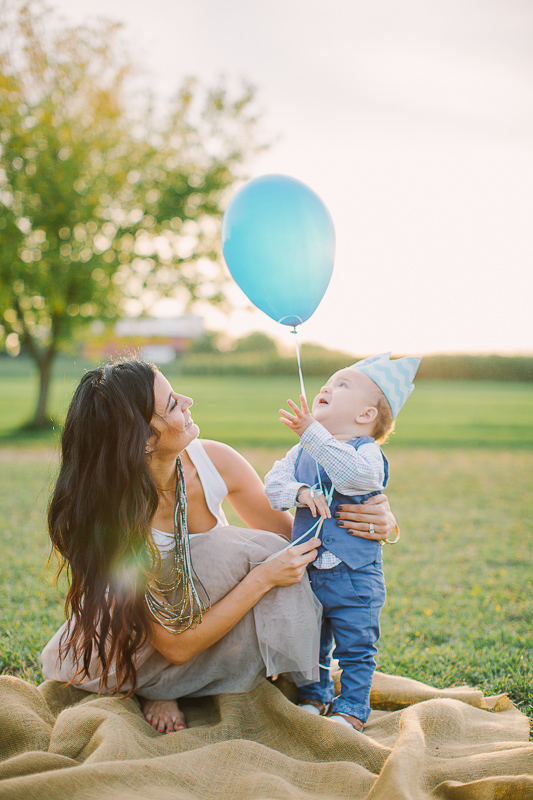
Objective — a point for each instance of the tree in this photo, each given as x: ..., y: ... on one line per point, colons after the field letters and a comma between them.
x: 256, y: 342
x: 105, y: 204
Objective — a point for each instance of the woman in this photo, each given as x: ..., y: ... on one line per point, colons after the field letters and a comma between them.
x: 141, y: 619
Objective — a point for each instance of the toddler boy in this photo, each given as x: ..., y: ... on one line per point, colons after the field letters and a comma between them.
x: 339, y: 455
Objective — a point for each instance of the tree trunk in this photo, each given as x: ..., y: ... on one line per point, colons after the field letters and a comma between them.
x: 44, y: 363
x: 43, y: 357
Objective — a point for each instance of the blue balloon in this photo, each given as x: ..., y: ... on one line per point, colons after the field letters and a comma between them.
x: 278, y: 240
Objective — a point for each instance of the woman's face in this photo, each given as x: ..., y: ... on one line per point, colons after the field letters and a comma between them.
x: 172, y: 418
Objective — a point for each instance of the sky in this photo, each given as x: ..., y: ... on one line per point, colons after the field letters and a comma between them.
x: 411, y: 119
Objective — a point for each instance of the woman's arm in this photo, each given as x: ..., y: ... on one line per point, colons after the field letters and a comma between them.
x: 246, y: 493
x: 287, y: 568
x: 356, y: 519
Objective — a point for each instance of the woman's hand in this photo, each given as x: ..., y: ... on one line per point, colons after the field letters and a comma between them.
x: 289, y: 566
x: 356, y: 519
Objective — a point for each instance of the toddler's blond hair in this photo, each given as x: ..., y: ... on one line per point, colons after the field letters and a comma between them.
x: 384, y: 424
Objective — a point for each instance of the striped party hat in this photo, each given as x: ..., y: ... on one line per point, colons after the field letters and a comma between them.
x: 394, y: 378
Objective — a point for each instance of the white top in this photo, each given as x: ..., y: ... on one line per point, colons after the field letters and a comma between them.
x: 215, y: 490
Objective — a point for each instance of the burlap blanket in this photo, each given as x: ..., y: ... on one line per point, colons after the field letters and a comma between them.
x: 58, y: 742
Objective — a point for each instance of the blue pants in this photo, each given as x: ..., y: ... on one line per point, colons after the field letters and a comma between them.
x: 352, y: 602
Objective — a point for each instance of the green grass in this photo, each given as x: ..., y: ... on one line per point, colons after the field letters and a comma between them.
x: 439, y: 413
x: 459, y: 583
x: 30, y: 602
x: 459, y: 604
x: 243, y: 411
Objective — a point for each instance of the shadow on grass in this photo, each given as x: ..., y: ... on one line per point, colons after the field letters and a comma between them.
x: 31, y: 435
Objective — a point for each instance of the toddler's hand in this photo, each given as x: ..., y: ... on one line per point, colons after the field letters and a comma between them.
x: 300, y: 420
x: 316, y: 503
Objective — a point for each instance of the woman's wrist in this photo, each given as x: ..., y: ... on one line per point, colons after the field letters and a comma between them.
x: 259, y: 580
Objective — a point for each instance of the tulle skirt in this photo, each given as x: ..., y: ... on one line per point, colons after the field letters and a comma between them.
x: 280, y: 634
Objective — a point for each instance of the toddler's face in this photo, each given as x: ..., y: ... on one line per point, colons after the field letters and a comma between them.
x: 346, y: 394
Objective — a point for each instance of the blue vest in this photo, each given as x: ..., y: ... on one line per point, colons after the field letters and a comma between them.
x: 353, y: 550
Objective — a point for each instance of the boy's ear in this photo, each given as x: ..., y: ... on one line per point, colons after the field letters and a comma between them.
x: 367, y: 415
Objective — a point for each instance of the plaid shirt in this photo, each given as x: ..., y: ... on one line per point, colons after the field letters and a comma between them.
x: 351, y: 471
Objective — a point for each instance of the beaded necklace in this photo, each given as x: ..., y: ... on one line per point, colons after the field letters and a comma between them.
x: 188, y: 611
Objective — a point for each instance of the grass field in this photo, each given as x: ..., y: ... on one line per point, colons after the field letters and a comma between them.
x: 459, y: 607
x: 243, y: 412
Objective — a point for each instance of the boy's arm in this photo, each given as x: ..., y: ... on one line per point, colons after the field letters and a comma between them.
x: 281, y: 487
x: 351, y: 471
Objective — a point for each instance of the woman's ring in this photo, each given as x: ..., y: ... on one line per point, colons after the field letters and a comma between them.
x: 370, y: 527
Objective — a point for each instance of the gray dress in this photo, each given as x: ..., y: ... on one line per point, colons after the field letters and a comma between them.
x: 280, y: 634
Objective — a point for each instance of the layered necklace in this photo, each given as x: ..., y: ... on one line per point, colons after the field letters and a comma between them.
x: 188, y: 611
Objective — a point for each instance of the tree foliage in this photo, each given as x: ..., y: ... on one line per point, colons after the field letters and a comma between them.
x: 105, y: 204
x: 256, y: 342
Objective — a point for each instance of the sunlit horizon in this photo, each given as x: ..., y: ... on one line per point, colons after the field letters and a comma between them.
x: 246, y: 320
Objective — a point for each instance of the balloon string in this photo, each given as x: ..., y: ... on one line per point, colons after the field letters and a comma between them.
x: 302, y: 387
x: 328, y: 494
x: 317, y: 525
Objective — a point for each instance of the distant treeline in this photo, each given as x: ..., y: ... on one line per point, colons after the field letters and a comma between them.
x: 257, y: 354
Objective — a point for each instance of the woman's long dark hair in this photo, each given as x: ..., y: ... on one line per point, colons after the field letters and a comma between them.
x: 100, y: 515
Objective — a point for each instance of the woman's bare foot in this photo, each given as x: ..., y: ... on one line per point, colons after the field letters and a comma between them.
x: 163, y: 715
